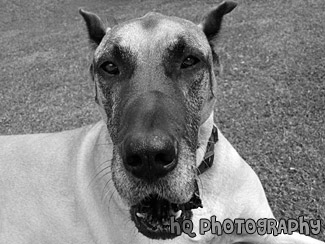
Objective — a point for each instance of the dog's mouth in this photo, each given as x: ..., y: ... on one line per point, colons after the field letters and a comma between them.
x: 153, y: 215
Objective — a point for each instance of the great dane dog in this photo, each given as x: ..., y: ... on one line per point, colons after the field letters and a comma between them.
x: 155, y: 160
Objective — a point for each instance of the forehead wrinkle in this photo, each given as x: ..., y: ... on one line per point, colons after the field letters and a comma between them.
x: 181, y: 43
x: 104, y: 48
x: 152, y: 42
x: 140, y: 39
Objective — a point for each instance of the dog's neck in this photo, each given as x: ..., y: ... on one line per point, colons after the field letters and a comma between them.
x: 203, y: 138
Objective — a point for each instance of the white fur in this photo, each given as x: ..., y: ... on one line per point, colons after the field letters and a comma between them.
x: 56, y: 188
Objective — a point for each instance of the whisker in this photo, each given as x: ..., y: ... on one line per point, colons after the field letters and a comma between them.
x: 110, y: 199
x: 108, y: 166
x: 107, y: 173
x: 106, y: 185
x: 110, y: 159
x: 98, y: 173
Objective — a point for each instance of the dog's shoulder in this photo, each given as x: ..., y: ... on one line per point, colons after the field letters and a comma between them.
x: 45, y: 148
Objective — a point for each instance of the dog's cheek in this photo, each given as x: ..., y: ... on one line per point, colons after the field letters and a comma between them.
x: 195, y: 96
x: 110, y: 96
x: 181, y: 180
x: 114, y: 116
x: 200, y: 90
x: 120, y: 179
x: 100, y: 100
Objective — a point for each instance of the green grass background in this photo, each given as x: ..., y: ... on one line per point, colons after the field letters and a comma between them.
x: 271, y: 99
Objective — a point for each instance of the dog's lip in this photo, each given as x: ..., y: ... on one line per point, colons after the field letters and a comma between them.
x: 153, y: 214
x: 158, y: 229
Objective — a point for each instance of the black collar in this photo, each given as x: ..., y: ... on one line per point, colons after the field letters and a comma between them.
x: 209, y: 153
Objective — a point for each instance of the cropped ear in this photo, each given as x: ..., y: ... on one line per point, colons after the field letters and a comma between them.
x: 211, y: 24
x: 96, y: 30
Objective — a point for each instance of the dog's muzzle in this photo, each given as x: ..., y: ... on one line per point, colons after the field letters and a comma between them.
x: 149, y: 157
x: 151, y: 130
x: 153, y: 214
x: 149, y: 133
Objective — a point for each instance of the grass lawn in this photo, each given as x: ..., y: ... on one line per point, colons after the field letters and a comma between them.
x: 271, y: 99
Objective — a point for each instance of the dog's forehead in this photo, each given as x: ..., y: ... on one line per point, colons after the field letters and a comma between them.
x: 155, y: 32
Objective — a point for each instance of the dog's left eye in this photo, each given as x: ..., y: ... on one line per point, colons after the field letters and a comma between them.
x: 110, y: 68
x: 189, y: 61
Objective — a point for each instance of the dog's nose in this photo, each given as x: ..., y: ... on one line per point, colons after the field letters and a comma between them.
x: 149, y: 156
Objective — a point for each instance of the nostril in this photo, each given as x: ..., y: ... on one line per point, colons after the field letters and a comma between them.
x: 164, y: 158
x: 134, y: 160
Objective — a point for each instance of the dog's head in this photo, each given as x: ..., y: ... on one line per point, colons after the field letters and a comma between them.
x: 155, y: 85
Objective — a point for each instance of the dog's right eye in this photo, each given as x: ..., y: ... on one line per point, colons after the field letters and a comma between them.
x: 110, y: 68
x: 189, y: 61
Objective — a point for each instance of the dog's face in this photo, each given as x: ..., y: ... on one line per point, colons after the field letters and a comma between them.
x: 155, y: 85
